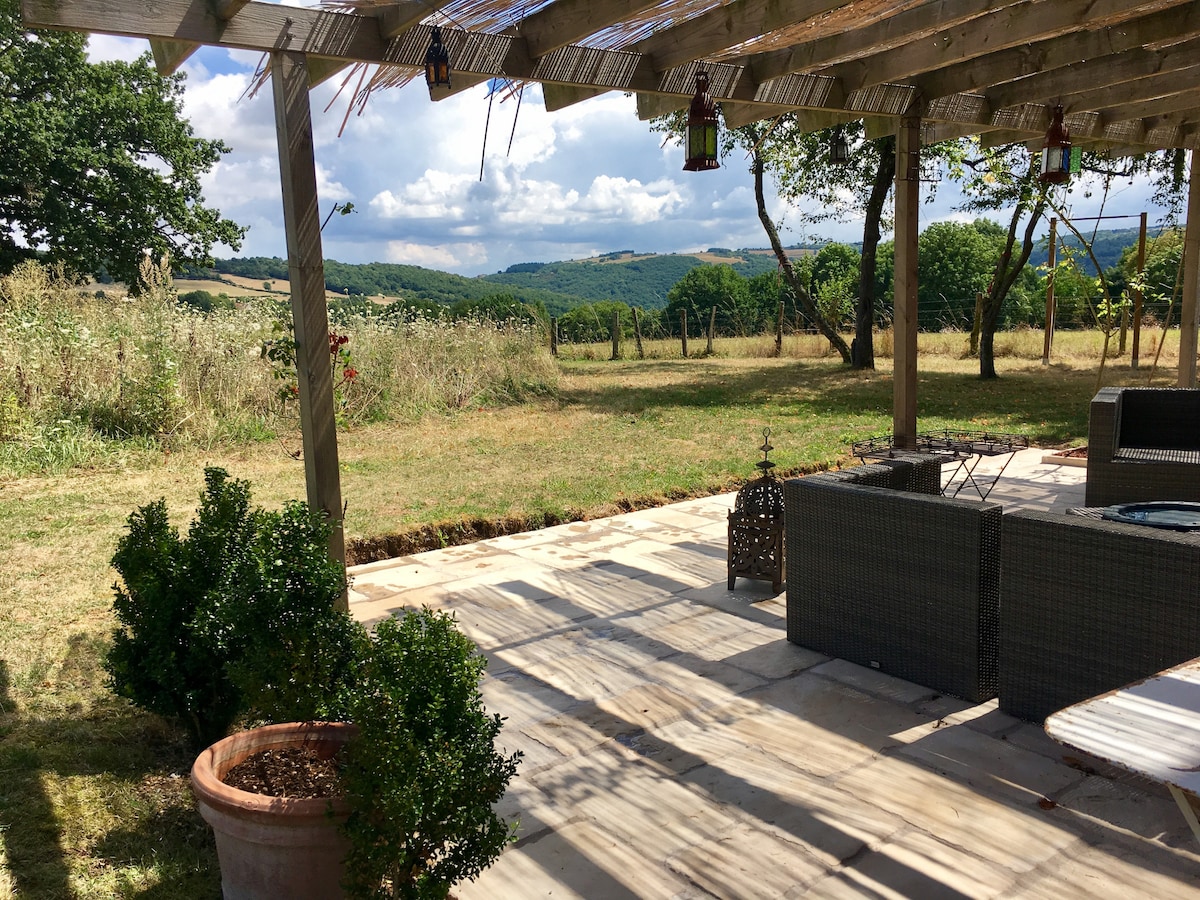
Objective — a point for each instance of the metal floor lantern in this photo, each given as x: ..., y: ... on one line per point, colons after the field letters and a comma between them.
x: 756, y: 526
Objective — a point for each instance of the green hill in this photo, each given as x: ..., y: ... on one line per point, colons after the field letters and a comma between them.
x: 636, y: 279
x: 641, y: 280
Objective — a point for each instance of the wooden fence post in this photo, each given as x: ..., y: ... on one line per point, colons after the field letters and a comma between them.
x: 683, y: 330
x: 712, y: 327
x: 554, y: 335
x: 779, y: 331
x: 637, y: 333
x: 616, y: 335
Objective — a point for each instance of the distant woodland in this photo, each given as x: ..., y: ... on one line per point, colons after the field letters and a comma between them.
x: 641, y: 280
x: 741, y: 288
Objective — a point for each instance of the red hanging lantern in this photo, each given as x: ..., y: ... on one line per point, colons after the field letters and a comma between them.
x: 701, y: 129
x: 1056, y: 152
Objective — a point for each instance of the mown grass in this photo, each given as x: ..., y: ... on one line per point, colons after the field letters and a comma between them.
x: 93, y: 794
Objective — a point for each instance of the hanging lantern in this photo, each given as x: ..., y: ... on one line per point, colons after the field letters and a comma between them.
x: 437, y: 64
x: 701, y: 129
x: 839, y: 149
x: 1056, y: 152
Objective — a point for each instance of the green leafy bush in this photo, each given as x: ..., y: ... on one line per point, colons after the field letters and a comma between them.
x: 424, y: 774
x: 237, y: 620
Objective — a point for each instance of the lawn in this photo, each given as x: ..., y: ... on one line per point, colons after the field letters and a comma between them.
x: 93, y: 794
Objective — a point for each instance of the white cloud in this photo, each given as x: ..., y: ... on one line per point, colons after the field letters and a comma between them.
x: 579, y: 181
x: 452, y: 257
x: 101, y: 47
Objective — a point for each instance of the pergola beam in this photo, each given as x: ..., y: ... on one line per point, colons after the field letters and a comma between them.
x: 332, y: 39
x: 169, y: 55
x: 726, y: 26
x: 1009, y: 65
x: 1012, y: 25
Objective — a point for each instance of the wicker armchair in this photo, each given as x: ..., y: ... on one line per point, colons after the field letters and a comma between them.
x: 1143, y: 444
x: 1089, y: 605
x: 904, y: 582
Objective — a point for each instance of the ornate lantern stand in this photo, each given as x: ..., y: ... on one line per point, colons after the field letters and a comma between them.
x: 756, y: 526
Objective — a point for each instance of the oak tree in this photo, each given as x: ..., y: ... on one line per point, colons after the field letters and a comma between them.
x: 97, y: 164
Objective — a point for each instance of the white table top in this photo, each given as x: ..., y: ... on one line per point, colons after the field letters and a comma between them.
x: 1151, y: 727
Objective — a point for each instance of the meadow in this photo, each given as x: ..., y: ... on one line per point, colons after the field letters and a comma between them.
x: 448, y: 431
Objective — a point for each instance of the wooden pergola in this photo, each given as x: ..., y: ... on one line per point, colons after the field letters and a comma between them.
x: 1125, y: 72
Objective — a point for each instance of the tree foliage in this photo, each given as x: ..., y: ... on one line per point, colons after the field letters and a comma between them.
x: 705, y: 288
x: 96, y: 163
x: 1007, y: 178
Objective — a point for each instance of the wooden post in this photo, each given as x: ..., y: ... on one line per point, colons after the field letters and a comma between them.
x: 616, y: 334
x: 306, y: 271
x: 712, y: 327
x: 1138, y: 298
x: 779, y: 331
x: 683, y: 330
x: 554, y: 335
x: 1191, y: 281
x: 904, y: 352
x: 1048, y: 341
x: 1123, y: 338
x: 637, y: 333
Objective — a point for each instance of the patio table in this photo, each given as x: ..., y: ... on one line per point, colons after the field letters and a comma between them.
x: 1150, y: 727
x: 963, y: 450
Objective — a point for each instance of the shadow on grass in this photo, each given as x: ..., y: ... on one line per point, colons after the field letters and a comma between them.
x: 30, y: 828
x: 1049, y: 406
x: 159, y: 847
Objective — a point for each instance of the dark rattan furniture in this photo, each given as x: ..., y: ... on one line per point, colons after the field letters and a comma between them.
x: 1088, y: 605
x: 904, y: 582
x: 1143, y: 444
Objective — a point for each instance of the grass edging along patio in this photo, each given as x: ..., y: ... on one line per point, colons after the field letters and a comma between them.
x: 453, y: 533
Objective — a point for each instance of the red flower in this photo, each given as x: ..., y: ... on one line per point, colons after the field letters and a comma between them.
x: 350, y: 374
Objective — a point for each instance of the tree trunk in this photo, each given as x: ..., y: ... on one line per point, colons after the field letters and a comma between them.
x: 789, y: 274
x: 1007, y: 272
x: 864, y: 321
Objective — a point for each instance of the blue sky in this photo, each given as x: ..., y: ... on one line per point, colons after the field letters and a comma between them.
x: 575, y: 183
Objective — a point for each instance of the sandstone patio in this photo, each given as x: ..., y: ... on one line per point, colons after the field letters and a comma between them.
x: 677, y: 746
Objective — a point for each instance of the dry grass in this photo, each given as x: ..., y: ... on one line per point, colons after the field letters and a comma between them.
x: 90, y: 790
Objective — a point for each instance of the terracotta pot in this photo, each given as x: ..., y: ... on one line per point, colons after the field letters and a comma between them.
x: 271, y: 847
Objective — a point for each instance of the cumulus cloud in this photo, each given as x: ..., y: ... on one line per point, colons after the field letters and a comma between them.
x: 451, y: 257
x: 572, y: 183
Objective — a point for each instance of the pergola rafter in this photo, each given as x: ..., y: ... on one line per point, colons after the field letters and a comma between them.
x: 925, y: 70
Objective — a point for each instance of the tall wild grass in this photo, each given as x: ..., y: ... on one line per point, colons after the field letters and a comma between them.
x: 90, y: 379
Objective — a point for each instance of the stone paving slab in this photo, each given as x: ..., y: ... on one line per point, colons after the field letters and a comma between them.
x: 677, y: 746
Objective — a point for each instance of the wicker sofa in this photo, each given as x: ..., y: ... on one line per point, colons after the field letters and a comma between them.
x: 1143, y: 444
x: 1088, y: 605
x: 885, y: 572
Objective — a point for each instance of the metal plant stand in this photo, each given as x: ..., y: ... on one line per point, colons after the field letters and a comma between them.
x: 756, y: 526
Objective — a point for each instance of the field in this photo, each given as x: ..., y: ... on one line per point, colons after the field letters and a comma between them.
x: 93, y: 793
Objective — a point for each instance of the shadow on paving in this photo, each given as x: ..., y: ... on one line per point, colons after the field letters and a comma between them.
x: 815, y: 831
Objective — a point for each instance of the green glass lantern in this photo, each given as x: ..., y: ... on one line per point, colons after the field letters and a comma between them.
x: 701, y: 129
